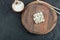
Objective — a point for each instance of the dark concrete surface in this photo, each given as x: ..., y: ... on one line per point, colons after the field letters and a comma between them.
x: 11, y: 27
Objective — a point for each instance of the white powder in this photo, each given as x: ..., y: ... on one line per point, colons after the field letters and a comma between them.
x: 38, y: 17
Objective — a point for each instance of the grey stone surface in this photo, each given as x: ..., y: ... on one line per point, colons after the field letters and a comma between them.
x: 11, y: 27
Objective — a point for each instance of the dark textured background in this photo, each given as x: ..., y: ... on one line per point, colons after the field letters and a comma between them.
x: 11, y: 27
